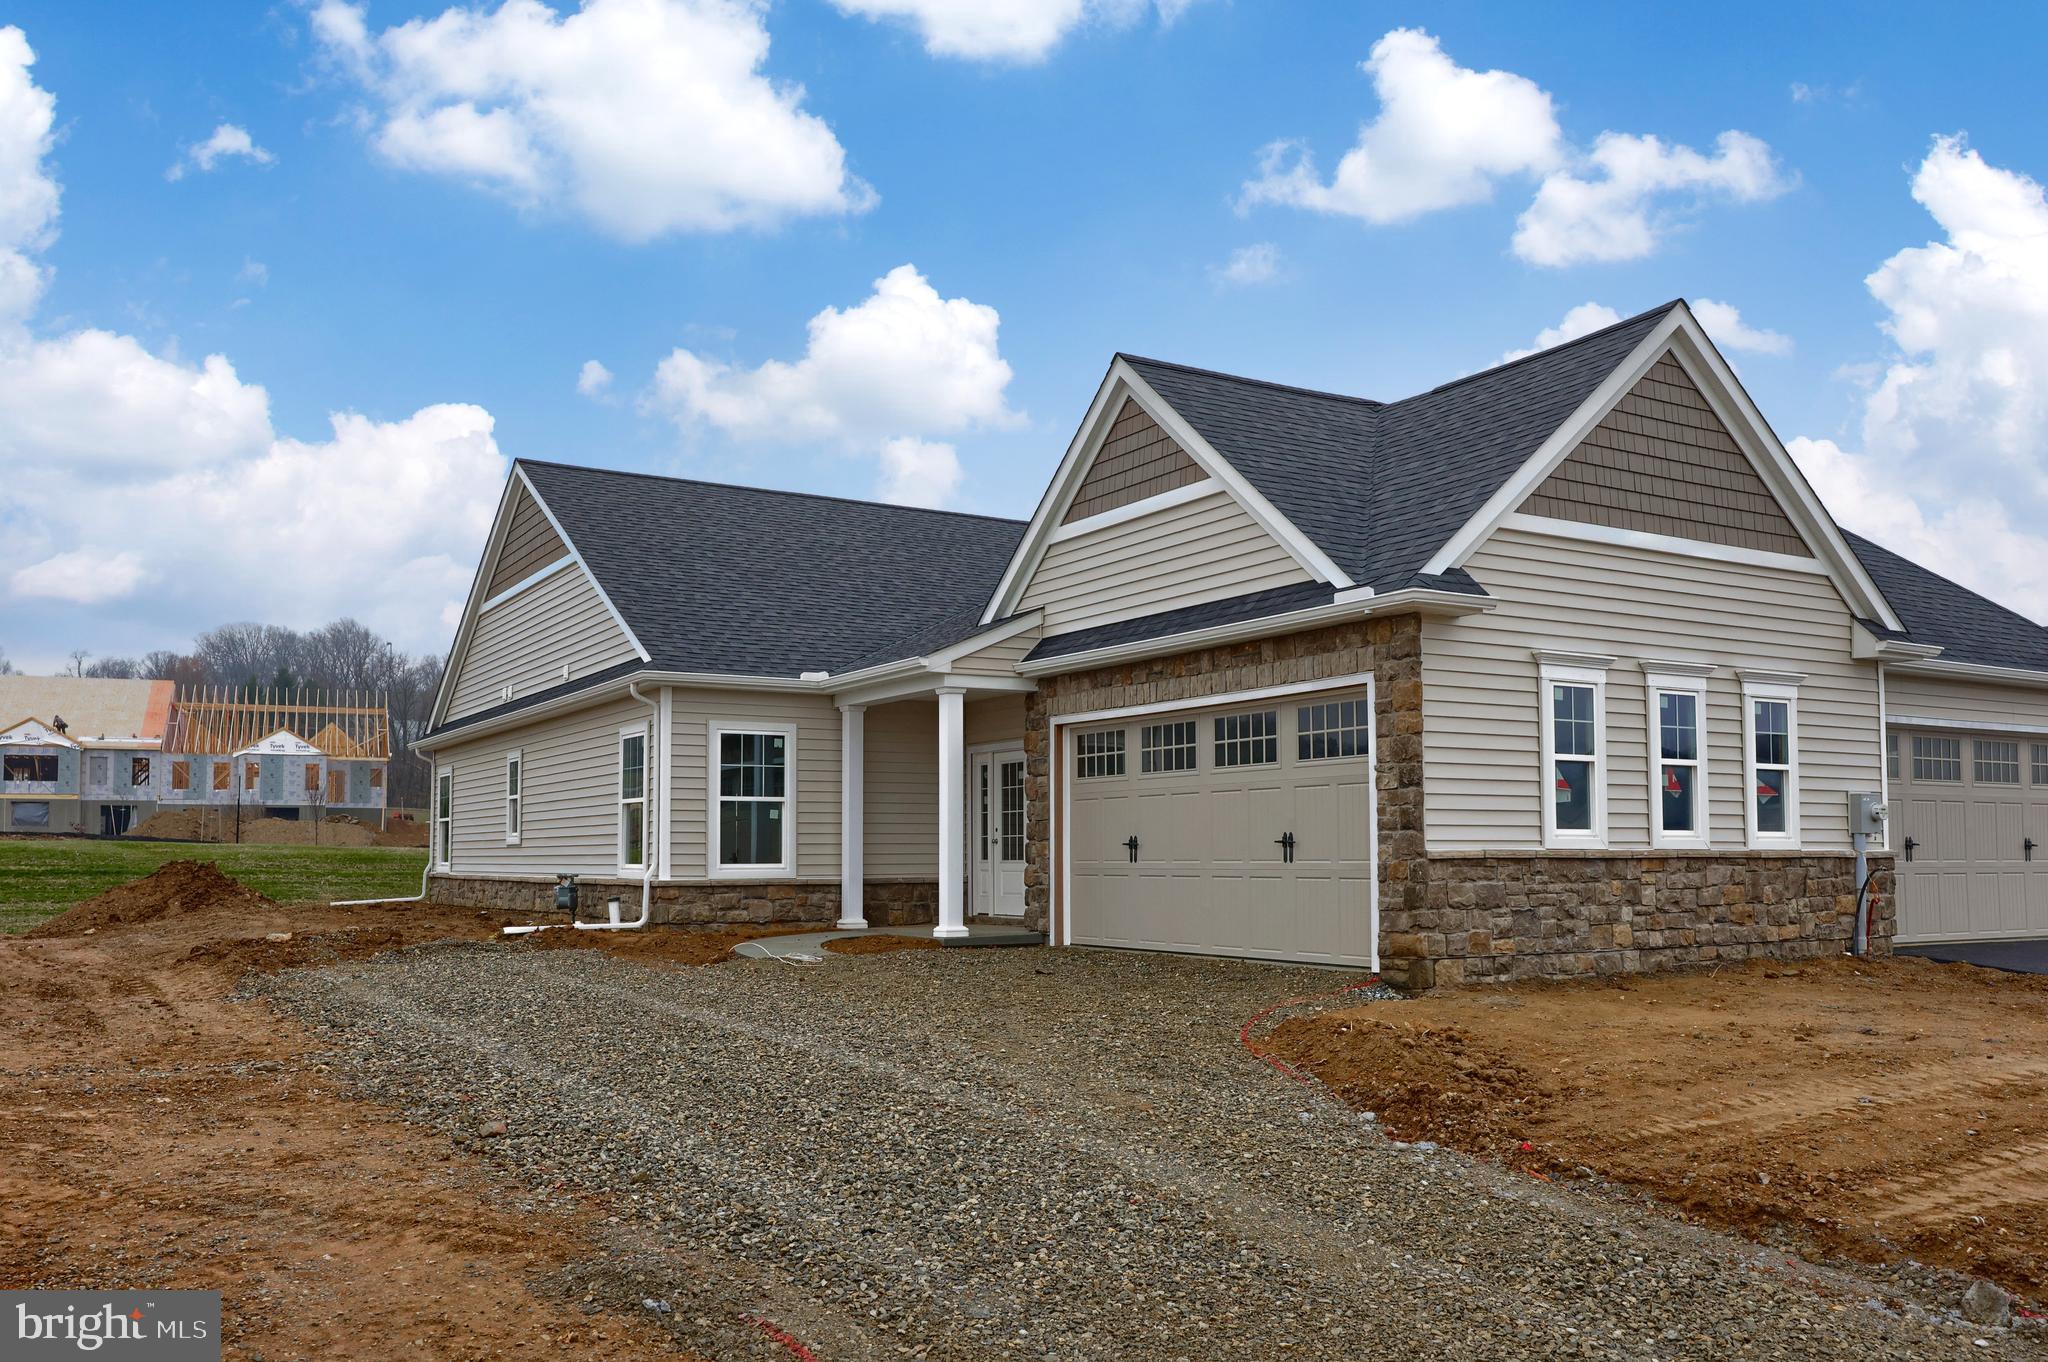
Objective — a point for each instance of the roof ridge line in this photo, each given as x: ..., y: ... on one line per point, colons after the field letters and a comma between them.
x: 769, y: 491
x: 1373, y: 402
x: 1490, y: 370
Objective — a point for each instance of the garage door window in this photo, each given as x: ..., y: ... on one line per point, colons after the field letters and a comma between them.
x: 1937, y: 758
x: 1341, y: 728
x: 2041, y: 763
x: 1997, y: 763
x: 1099, y: 754
x: 1166, y: 747
x: 1248, y: 739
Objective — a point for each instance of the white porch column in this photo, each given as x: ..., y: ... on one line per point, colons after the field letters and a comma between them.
x: 852, y: 816
x: 952, y: 757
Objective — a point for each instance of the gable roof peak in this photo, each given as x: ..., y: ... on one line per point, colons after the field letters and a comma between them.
x: 1199, y: 372
x: 1550, y: 350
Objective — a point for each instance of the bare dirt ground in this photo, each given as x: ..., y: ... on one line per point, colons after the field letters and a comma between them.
x: 161, y: 1132
x: 879, y: 945
x: 1879, y: 1108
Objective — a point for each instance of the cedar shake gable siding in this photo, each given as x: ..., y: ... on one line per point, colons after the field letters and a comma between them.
x: 530, y: 545
x: 1136, y: 461
x: 1662, y: 463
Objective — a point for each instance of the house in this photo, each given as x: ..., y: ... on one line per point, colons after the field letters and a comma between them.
x: 99, y: 756
x: 80, y: 754
x: 1555, y: 669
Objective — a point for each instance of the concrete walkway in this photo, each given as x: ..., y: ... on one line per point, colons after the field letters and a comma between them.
x: 809, y: 947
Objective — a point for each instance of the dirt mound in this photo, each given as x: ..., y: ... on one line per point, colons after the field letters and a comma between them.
x: 219, y: 825
x: 879, y: 945
x: 177, y: 888
x: 176, y: 825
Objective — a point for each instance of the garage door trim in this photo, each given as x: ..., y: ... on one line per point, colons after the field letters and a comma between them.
x: 1060, y: 730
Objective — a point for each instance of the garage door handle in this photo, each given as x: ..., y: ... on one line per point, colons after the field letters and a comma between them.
x: 1286, y: 845
x: 1910, y: 844
x: 2030, y: 848
x: 1131, y: 845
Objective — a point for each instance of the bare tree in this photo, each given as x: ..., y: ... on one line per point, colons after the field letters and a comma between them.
x: 6, y: 667
x: 78, y: 657
x: 119, y: 668
x: 182, y: 668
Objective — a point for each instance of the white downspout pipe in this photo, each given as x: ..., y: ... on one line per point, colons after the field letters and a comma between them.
x: 648, y: 859
x: 426, y: 872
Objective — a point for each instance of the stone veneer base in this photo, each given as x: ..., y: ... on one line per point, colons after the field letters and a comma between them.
x: 887, y: 903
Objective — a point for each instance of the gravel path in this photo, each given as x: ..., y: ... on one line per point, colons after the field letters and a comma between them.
x: 1034, y: 1154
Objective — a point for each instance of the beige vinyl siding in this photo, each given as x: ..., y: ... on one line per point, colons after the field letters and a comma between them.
x: 998, y: 659
x: 569, y: 786
x: 1481, y: 736
x: 815, y: 819
x: 1965, y: 702
x: 525, y: 642
x: 1000, y: 719
x: 902, y: 793
x: 1204, y: 550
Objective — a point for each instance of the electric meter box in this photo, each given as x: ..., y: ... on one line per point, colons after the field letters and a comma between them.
x: 1867, y: 814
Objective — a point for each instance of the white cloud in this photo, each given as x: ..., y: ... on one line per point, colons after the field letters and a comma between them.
x: 131, y: 477
x: 904, y: 361
x: 649, y: 117
x: 1954, y: 466
x: 1582, y: 320
x: 1614, y: 207
x: 899, y: 367
x: 1256, y: 264
x: 1007, y: 30
x: 28, y: 193
x: 226, y: 142
x: 1444, y: 135
x: 254, y: 272
x: 918, y: 472
x: 81, y: 577
x: 593, y: 379
x: 1723, y: 322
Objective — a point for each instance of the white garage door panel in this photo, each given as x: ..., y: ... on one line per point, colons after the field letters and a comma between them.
x: 1970, y: 878
x: 1211, y: 875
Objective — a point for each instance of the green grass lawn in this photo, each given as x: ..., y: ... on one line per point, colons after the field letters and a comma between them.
x: 44, y: 876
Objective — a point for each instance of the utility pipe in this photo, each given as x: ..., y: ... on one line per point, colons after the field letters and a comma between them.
x: 647, y: 854
x: 420, y: 897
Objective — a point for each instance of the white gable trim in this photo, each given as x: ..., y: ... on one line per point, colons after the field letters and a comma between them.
x: 474, y: 606
x: 1680, y: 332
x: 1122, y: 382
x: 1131, y: 510
x: 1661, y: 543
x: 536, y: 579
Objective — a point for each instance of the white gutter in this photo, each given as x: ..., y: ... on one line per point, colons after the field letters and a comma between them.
x: 1418, y: 600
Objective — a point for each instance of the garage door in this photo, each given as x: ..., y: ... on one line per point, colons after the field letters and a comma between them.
x: 1968, y: 806
x: 1243, y: 831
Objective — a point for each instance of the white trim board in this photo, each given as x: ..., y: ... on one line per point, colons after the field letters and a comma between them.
x: 1680, y: 333
x: 1121, y: 382
x: 1660, y: 543
x: 1961, y: 725
x: 1132, y: 510
x: 533, y: 580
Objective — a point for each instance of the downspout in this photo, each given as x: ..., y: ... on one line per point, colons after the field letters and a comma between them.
x: 425, y: 872
x: 648, y: 858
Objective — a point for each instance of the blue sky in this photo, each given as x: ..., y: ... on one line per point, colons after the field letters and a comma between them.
x: 416, y: 233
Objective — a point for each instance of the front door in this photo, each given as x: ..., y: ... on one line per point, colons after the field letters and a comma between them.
x: 995, y: 831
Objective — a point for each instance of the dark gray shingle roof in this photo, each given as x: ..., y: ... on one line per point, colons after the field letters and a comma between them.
x: 1968, y: 627
x: 743, y: 581
x: 1379, y: 487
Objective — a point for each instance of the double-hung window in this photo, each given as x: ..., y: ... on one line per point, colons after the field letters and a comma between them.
x: 753, y: 774
x: 633, y: 798
x: 444, y: 815
x: 1574, y: 734
x: 514, y: 770
x: 1677, y: 694
x: 1770, y: 741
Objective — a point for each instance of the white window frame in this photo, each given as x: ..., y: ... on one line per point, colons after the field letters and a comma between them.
x: 713, y: 867
x: 642, y: 731
x: 1572, y: 669
x: 1678, y: 678
x: 515, y: 792
x: 1783, y: 686
x: 444, y: 815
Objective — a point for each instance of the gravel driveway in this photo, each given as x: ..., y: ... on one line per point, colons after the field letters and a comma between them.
x: 1034, y: 1154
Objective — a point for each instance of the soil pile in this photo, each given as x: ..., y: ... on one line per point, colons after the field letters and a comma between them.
x: 176, y: 888
x: 1879, y: 1108
x: 879, y: 945
x: 219, y: 825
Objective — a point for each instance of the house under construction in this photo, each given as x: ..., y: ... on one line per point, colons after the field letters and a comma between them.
x: 232, y: 753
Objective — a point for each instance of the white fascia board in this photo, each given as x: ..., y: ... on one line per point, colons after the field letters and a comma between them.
x: 1553, y: 451
x: 1661, y: 543
x: 1418, y: 601
x: 929, y: 683
x: 1866, y: 646
x: 987, y: 638
x: 1969, y: 671
x: 1123, y: 381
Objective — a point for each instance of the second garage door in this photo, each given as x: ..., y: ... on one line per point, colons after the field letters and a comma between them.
x: 1972, y: 836
x: 1243, y: 830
